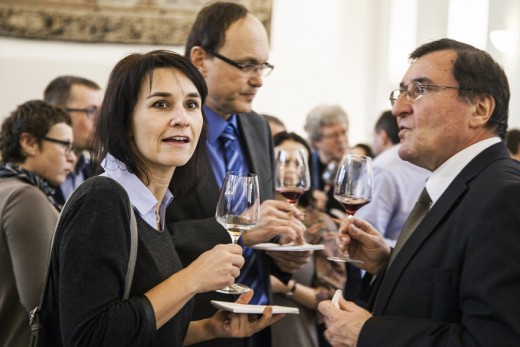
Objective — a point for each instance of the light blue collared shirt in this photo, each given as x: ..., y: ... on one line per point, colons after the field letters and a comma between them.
x: 140, y: 197
x: 216, y: 126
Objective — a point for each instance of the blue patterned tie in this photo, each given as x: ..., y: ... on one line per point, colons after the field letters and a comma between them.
x: 248, y: 273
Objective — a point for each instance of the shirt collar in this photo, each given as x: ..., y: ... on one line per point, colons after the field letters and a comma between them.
x: 140, y: 196
x: 217, y: 124
x: 441, y: 178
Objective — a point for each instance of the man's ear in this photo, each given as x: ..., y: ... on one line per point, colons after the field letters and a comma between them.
x: 29, y: 144
x: 484, y: 107
x: 385, y: 139
x: 198, y: 58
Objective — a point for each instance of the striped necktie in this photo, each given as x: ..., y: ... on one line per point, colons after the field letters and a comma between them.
x: 249, y: 274
x: 231, y: 149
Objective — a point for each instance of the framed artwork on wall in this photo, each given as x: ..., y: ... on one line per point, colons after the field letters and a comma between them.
x: 151, y: 22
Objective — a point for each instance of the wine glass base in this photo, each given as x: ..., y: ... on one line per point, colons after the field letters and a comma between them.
x: 235, y: 288
x: 345, y: 260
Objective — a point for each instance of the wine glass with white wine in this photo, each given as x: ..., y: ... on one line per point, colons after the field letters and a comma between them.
x: 353, y: 189
x: 238, y: 209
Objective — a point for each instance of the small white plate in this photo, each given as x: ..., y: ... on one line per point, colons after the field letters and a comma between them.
x: 252, y: 309
x: 288, y: 247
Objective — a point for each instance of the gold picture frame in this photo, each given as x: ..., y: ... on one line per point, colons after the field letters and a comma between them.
x: 151, y: 22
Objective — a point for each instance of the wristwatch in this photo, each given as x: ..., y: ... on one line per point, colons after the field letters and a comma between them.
x: 292, y: 290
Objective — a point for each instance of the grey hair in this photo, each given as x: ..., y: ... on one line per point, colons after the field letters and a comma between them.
x: 322, y: 116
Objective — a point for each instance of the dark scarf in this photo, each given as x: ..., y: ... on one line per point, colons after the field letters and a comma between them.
x: 11, y: 170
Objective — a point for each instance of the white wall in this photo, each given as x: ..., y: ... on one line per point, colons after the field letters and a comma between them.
x: 333, y: 51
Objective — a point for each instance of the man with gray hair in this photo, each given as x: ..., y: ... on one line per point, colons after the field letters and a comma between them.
x: 327, y: 130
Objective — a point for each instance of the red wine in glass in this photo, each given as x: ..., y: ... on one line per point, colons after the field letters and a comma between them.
x: 291, y: 194
x: 292, y: 177
x: 353, y: 189
x: 351, y: 205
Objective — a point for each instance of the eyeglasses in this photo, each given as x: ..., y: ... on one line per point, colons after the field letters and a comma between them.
x: 67, y: 145
x: 415, y: 90
x: 334, y: 135
x: 90, y: 112
x: 246, y: 68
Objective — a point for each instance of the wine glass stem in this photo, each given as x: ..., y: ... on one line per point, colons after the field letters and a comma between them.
x: 345, y: 252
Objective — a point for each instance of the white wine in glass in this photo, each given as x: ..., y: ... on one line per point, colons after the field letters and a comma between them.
x: 292, y: 177
x: 353, y: 189
x: 237, y: 211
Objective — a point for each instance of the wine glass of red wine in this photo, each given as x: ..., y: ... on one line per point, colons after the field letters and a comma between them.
x: 353, y: 189
x: 238, y: 209
x: 292, y: 177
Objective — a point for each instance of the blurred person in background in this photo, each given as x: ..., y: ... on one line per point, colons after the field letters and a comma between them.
x: 315, y: 281
x: 81, y: 98
x: 275, y: 124
x: 513, y: 143
x: 362, y: 149
x: 36, y: 151
x: 327, y: 131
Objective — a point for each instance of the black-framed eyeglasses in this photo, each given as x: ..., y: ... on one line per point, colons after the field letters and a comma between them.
x: 247, y: 68
x: 415, y: 90
x: 67, y: 145
x: 90, y: 112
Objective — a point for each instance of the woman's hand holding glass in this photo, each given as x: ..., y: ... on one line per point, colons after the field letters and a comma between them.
x: 216, y: 268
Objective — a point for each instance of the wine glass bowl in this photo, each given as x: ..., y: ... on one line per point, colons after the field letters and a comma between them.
x: 238, y: 208
x: 353, y: 188
x: 328, y: 175
x: 292, y: 177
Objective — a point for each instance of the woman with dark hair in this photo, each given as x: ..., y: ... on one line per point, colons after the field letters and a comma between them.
x: 150, y: 123
x: 315, y: 281
x: 36, y: 151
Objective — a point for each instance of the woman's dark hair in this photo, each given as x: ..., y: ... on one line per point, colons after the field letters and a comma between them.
x: 34, y: 117
x: 114, y: 127
x: 306, y: 199
x: 209, y: 29
x: 477, y: 74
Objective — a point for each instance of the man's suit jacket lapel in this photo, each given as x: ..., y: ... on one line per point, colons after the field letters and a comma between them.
x: 254, y: 140
x: 438, y: 213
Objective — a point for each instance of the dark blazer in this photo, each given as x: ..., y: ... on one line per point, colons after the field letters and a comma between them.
x: 456, y: 281
x: 191, y: 220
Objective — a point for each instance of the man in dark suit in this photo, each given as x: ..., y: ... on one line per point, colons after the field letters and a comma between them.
x: 455, y: 280
x: 230, y: 48
x: 81, y: 98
